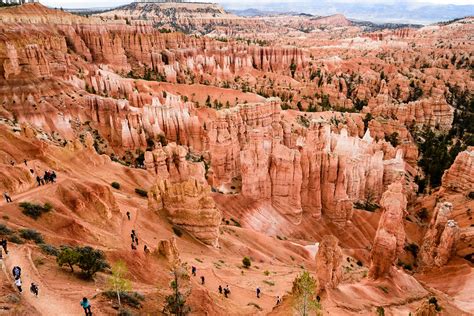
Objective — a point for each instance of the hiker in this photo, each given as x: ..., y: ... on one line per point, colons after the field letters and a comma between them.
x: 53, y: 176
x: 18, y: 284
x: 4, y: 245
x: 220, y: 289
x: 87, y: 306
x: 133, y: 246
x: 7, y: 197
x: 32, y: 171
x: 12, y: 163
x: 145, y: 249
x: 202, y: 279
x: 278, y: 300
x: 46, y: 176
x: 128, y: 215
x: 34, y: 289
x: 226, y: 291
x: 38, y: 179
x: 318, y: 298
x: 26, y: 162
x: 16, y: 272
x: 258, y: 292
x: 193, y: 270
x: 136, y: 240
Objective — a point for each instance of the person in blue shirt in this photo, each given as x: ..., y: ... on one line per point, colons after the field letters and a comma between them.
x: 87, y: 306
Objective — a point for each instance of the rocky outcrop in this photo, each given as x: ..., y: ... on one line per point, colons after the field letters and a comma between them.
x: 169, y: 162
x: 91, y: 201
x: 329, y: 263
x: 188, y: 204
x: 440, y: 239
x: 390, y: 237
x: 168, y: 250
x: 459, y: 176
x: 426, y: 309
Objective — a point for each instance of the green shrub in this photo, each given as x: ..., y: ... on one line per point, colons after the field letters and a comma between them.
x: 31, y: 234
x: 434, y: 301
x: 408, y: 266
x: 88, y: 259
x: 246, y: 262
x: 236, y: 223
x: 132, y: 299
x: 422, y: 214
x: 91, y: 261
x: 35, y: 210
x: 141, y: 192
x: 115, y: 185
x: 15, y: 239
x: 49, y: 250
x: 4, y: 230
x: 380, y: 311
x: 471, y: 195
x: 413, y: 249
x: 177, y: 231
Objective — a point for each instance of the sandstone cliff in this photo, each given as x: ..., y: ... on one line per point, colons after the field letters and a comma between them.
x: 390, y: 236
x: 440, y: 239
x: 329, y: 263
x: 188, y: 204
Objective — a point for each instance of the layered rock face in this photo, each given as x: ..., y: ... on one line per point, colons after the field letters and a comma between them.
x: 390, y: 237
x: 168, y: 249
x: 459, y: 177
x: 440, y: 239
x: 329, y: 263
x: 188, y: 204
x: 170, y: 163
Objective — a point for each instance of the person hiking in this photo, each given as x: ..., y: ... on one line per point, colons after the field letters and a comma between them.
x: 86, y: 305
x: 258, y: 292
x: 4, y: 243
x: 202, y: 279
x: 220, y: 289
x: 7, y: 197
x: 133, y: 246
x: 34, y: 289
x: 12, y: 163
x: 38, y: 179
x: 226, y: 292
x: 18, y: 284
x: 26, y: 162
x: 16, y: 272
x: 136, y: 240
x: 128, y: 215
x: 46, y: 176
x: 145, y: 249
x: 278, y: 300
x: 53, y: 176
x: 193, y: 270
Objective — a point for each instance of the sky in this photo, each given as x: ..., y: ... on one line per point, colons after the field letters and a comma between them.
x: 242, y: 3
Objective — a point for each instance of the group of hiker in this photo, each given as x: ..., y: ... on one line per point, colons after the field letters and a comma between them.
x: 34, y: 289
x: 48, y: 177
x: 134, y: 244
x: 225, y: 290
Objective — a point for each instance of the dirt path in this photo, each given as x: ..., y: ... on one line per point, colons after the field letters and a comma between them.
x: 18, y: 197
x: 48, y: 302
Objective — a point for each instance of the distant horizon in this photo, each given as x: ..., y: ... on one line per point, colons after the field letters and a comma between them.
x: 401, y: 12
